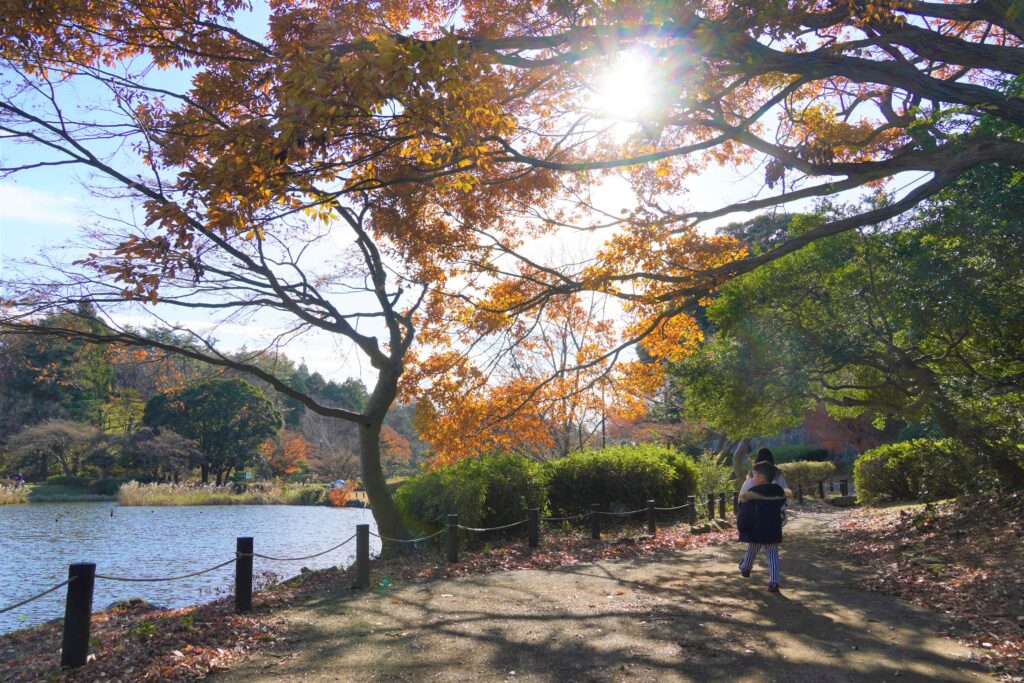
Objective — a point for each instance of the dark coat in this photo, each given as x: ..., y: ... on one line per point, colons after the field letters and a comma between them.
x: 759, y: 519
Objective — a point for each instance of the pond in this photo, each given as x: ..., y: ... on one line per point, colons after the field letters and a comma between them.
x: 39, y: 541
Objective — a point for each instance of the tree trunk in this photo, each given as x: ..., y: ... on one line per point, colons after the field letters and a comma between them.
x: 205, y: 469
x: 220, y: 476
x: 385, y: 512
x: 739, y: 457
x: 725, y: 450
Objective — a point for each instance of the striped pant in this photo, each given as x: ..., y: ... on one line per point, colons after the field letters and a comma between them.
x: 771, y: 551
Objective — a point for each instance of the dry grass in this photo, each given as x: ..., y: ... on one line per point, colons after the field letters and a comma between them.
x: 134, y: 493
x: 10, y: 495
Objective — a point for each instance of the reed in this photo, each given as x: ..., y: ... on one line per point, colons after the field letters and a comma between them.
x: 134, y: 493
x: 11, y: 495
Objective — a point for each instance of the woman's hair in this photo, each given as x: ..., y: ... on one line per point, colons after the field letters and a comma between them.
x: 766, y: 468
x: 764, y: 455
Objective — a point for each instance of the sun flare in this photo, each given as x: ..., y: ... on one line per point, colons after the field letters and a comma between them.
x: 626, y: 90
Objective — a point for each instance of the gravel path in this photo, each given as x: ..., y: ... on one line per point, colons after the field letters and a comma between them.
x: 678, y: 617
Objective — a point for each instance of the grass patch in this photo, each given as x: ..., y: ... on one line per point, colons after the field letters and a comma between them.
x: 60, y: 493
x: 134, y: 493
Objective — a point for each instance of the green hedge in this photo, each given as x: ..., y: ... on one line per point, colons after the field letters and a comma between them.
x: 806, y: 474
x: 919, y: 469
x: 799, y: 453
x: 619, y: 478
x: 490, y: 491
x: 62, y: 480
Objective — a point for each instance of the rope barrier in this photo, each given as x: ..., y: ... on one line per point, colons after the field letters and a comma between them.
x: 678, y: 507
x: 493, y: 528
x: 407, y: 540
x: 36, y: 596
x: 305, y: 557
x: 621, y: 514
x: 564, y: 519
x: 166, y: 578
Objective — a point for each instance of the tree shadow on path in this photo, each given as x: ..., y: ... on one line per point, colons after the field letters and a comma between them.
x: 677, y: 617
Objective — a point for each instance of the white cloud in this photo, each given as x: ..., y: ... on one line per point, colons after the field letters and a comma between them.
x: 20, y: 204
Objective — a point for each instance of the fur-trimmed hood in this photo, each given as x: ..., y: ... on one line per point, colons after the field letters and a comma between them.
x: 766, y: 492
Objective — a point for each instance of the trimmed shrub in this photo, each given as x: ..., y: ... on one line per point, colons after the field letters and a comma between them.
x: 919, y: 469
x: 619, y: 478
x: 490, y: 491
x: 799, y: 453
x: 806, y: 474
x: 62, y: 480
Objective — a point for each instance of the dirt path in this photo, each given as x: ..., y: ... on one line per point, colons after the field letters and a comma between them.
x: 679, y: 617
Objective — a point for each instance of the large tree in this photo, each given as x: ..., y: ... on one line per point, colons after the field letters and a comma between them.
x: 227, y: 419
x: 438, y: 135
x: 921, y: 323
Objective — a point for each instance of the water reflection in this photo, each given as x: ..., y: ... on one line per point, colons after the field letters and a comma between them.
x: 39, y: 541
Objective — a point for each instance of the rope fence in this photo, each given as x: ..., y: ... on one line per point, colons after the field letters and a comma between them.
x: 81, y: 577
x: 165, y: 578
x: 35, y: 597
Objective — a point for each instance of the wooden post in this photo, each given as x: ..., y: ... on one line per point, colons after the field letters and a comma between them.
x: 652, y: 528
x: 595, y: 521
x: 452, y: 539
x: 800, y: 493
x: 721, y: 506
x: 735, y: 502
x: 711, y: 506
x: 843, y: 490
x: 362, y: 555
x: 821, y: 489
x: 77, y: 614
x: 533, y: 527
x: 243, y: 574
x: 691, y: 509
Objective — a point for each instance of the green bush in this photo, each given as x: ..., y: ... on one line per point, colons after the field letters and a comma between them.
x: 919, y: 469
x: 490, y: 491
x: 799, y: 453
x: 712, y: 477
x: 62, y: 480
x: 806, y: 474
x: 620, y: 478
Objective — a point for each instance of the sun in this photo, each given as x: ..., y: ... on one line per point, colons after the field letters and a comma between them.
x: 626, y: 90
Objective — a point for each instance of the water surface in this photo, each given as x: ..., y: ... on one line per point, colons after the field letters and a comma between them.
x: 39, y: 541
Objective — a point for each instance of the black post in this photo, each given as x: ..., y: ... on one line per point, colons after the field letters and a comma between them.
x: 595, y: 521
x: 362, y: 555
x: 77, y: 614
x: 831, y: 486
x: 533, y: 528
x: 821, y: 489
x: 652, y: 528
x: 843, y: 490
x: 452, y: 539
x: 691, y: 509
x: 243, y: 574
x: 800, y: 493
x: 735, y: 501
x: 711, y: 506
x: 721, y: 506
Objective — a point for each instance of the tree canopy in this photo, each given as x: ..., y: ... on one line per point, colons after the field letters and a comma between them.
x: 438, y: 140
x: 920, y: 323
x: 227, y: 419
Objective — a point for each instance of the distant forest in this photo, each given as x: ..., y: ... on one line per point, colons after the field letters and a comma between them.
x: 74, y: 409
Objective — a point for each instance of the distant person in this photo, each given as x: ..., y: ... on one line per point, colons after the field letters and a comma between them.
x: 19, y: 481
x: 759, y: 521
